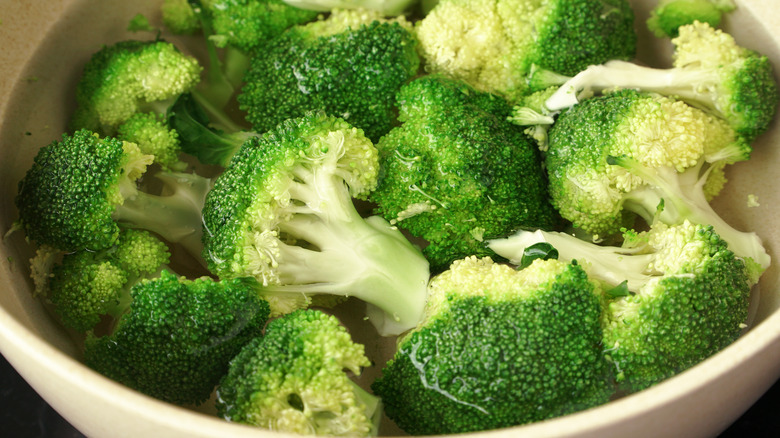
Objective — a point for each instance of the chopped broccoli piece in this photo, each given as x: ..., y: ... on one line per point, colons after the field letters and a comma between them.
x: 81, y: 188
x: 386, y: 7
x: 456, y: 172
x: 710, y: 71
x: 282, y: 212
x: 180, y: 17
x: 668, y: 15
x: 151, y: 133
x: 499, y: 347
x: 493, y: 45
x: 177, y: 337
x: 349, y: 65
x: 294, y: 379
x: 688, y: 296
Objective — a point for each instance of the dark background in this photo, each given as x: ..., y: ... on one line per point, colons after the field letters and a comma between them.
x: 24, y: 414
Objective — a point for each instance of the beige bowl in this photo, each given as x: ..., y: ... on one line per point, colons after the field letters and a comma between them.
x: 45, y: 42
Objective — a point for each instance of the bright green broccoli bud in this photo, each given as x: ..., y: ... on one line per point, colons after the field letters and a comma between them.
x: 89, y: 285
x: 668, y: 15
x: 456, y: 172
x: 177, y: 338
x: 153, y: 136
x: 283, y: 213
x: 386, y: 7
x: 179, y: 17
x: 710, y: 71
x: 294, y: 380
x: 354, y: 63
x: 685, y: 296
x: 493, y: 45
x: 129, y: 77
x: 498, y: 349
x: 81, y: 188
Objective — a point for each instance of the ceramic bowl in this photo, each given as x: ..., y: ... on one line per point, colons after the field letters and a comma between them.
x: 44, y: 44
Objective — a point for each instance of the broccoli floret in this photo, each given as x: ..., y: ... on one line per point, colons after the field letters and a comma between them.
x: 180, y: 17
x: 282, y: 212
x: 151, y: 133
x: 456, y: 172
x: 710, y: 71
x: 386, y: 7
x: 129, y: 77
x: 680, y: 296
x: 493, y: 44
x: 668, y: 15
x: 177, y: 337
x: 499, y: 347
x: 294, y: 379
x: 80, y: 189
x: 624, y: 154
x: 88, y: 285
x: 349, y: 65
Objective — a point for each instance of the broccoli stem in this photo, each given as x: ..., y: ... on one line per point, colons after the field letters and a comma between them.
x: 175, y: 216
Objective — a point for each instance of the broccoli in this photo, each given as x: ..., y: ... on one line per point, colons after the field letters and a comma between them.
x: 349, y: 65
x: 499, y: 347
x: 87, y: 285
x: 679, y: 295
x: 626, y: 154
x: 81, y: 190
x: 456, y: 172
x: 710, y: 71
x: 386, y: 7
x: 294, y: 379
x: 129, y: 77
x: 176, y: 338
x: 493, y: 45
x: 283, y: 213
x: 668, y: 15
x: 153, y: 136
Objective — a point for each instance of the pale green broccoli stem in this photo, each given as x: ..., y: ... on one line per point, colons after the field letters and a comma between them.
x: 609, y: 264
x: 349, y: 255
x: 683, y: 197
x: 176, y: 217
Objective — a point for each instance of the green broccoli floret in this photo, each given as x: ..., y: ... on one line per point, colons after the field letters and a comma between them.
x: 493, y: 45
x: 151, y: 133
x: 668, y: 15
x: 88, y: 285
x: 614, y: 157
x: 386, y: 7
x: 456, y: 172
x: 680, y: 296
x: 349, y: 65
x: 177, y: 337
x: 180, y: 17
x: 710, y: 71
x: 499, y: 347
x: 283, y: 213
x: 82, y: 188
x: 294, y: 379
x: 129, y: 77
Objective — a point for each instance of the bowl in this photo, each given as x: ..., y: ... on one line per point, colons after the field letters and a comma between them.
x: 45, y: 43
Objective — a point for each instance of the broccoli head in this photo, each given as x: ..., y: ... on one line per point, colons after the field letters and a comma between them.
x: 294, y: 379
x: 283, y: 213
x: 129, y: 77
x: 668, y: 15
x: 493, y: 45
x: 349, y: 65
x: 678, y: 295
x: 151, y: 133
x: 499, y: 347
x: 177, y: 337
x: 456, y: 172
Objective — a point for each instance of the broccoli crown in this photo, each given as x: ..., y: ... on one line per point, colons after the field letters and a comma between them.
x: 658, y: 132
x: 87, y: 285
x: 179, y: 17
x: 249, y: 24
x: 668, y: 15
x: 177, y: 339
x: 151, y: 133
x: 457, y: 172
x: 128, y: 77
x: 349, y: 65
x: 282, y: 212
x: 494, y: 44
x: 294, y: 379
x: 67, y: 197
x: 499, y: 347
